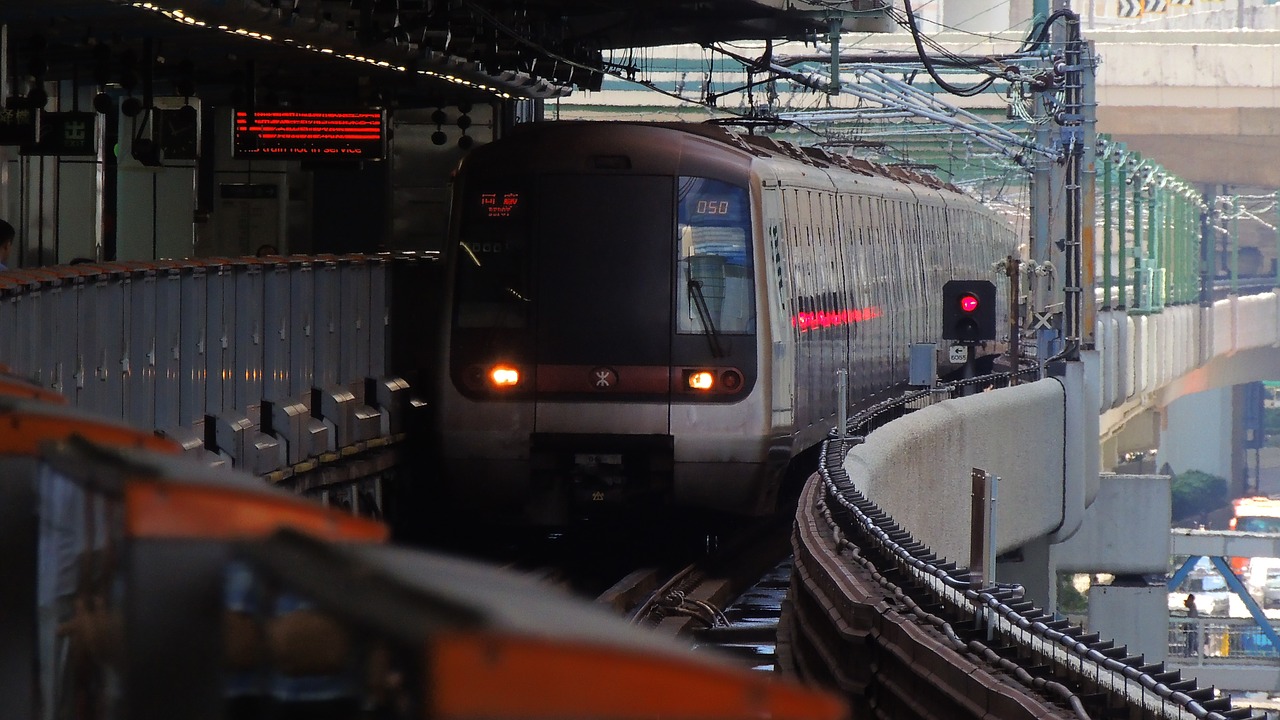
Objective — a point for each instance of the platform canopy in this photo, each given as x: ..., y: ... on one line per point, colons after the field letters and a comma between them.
x: 379, y: 51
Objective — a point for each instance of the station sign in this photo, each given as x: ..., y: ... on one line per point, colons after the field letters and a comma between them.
x: 311, y: 135
x: 18, y: 126
x: 66, y: 134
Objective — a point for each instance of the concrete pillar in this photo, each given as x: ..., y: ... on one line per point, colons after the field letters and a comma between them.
x: 1196, y: 434
x: 1133, y: 613
x: 155, y: 206
x: 1032, y: 567
x: 1138, y: 435
x: 1125, y: 531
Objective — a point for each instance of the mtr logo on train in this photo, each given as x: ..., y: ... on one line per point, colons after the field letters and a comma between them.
x: 968, y: 311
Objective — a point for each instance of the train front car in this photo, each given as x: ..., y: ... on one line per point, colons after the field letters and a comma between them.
x: 602, y: 349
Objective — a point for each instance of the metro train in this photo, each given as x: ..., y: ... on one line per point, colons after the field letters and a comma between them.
x: 655, y: 312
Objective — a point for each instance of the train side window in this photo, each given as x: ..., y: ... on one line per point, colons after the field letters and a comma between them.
x: 284, y: 656
x: 714, y: 289
x: 79, y: 616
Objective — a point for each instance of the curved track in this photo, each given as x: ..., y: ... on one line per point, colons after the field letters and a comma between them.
x: 878, y: 615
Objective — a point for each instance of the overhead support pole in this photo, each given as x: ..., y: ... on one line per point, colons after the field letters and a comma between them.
x: 1108, y: 228
x: 899, y: 100
x: 833, y: 37
x: 1046, y: 173
x: 1122, y: 255
x: 1089, y: 187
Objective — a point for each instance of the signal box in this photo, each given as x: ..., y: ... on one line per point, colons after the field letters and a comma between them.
x: 969, y: 310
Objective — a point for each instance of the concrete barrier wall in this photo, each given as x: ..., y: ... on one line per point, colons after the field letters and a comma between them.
x: 1107, y: 335
x: 918, y: 467
x: 1223, y: 327
x: 1124, y: 348
x: 1257, y: 316
x: 1125, y: 531
x: 267, y: 361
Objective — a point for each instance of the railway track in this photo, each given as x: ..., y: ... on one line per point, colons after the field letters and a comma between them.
x: 695, y: 593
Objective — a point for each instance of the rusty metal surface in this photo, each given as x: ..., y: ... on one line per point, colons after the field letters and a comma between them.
x: 846, y: 630
x: 876, y: 615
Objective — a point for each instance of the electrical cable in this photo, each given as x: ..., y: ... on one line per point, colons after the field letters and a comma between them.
x: 928, y: 63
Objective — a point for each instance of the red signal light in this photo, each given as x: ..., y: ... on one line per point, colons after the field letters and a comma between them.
x: 968, y: 303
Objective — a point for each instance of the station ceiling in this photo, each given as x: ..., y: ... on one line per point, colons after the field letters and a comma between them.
x: 384, y: 52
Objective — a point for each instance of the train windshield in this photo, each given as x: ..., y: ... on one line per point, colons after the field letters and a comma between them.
x: 713, y: 254
x: 492, y: 277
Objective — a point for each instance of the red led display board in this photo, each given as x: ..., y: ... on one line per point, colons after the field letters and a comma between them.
x: 311, y: 135
x: 500, y: 205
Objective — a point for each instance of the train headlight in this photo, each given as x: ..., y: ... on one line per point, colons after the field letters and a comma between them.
x: 504, y: 376
x: 700, y: 379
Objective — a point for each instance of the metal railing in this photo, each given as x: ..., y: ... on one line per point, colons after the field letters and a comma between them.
x: 1220, y: 641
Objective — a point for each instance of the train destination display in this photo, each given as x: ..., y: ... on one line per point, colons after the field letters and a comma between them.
x: 306, y: 135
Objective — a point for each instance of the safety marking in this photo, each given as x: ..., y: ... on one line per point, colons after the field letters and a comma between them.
x: 1041, y: 320
x: 1129, y: 8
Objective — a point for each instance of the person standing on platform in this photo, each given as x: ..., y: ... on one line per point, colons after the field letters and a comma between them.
x: 7, y: 234
x: 1193, y: 623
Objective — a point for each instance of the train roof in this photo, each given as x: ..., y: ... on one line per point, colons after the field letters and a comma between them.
x: 761, y: 146
x: 171, y: 495
x: 32, y: 420
x: 505, y: 645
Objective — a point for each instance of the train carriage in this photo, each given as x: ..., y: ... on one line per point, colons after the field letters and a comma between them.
x: 656, y: 312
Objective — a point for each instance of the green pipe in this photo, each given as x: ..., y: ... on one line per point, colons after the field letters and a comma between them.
x: 1170, y: 259
x: 1122, y: 272
x: 1175, y: 218
x: 1193, y: 247
x: 1153, y: 255
x: 1138, y: 254
x: 1184, y: 237
x: 1235, y: 247
x: 1175, y: 248
x: 1106, y: 232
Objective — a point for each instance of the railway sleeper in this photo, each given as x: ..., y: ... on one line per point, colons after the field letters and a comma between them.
x: 1202, y: 694
x: 1115, y: 653
x: 1073, y: 631
x: 1217, y: 704
x: 1032, y: 613
x: 1038, y: 670
x: 1003, y: 594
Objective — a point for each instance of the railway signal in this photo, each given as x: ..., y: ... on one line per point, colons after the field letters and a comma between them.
x: 969, y: 310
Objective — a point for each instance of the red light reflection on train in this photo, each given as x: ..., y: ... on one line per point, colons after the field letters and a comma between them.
x: 807, y: 321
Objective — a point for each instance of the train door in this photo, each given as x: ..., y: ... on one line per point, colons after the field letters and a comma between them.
x: 602, y: 337
x: 603, y: 275
x: 780, y: 308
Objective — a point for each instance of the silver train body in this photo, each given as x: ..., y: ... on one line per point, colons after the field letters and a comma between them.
x: 656, y: 313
